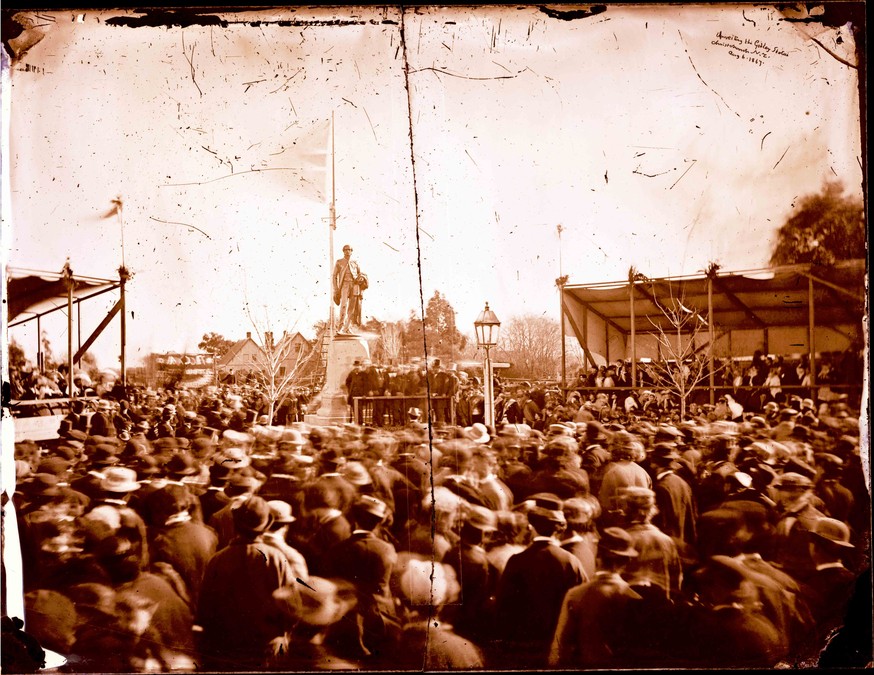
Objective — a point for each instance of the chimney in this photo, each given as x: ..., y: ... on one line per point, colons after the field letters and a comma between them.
x: 248, y: 335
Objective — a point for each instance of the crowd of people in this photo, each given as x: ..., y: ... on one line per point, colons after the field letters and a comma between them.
x: 753, y: 382
x: 181, y: 532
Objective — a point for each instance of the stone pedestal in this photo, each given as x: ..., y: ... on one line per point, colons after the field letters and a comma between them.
x: 343, y: 351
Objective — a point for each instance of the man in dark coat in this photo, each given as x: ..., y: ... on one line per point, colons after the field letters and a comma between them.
x: 829, y: 587
x: 728, y: 629
x: 357, y: 384
x: 676, y: 506
x: 471, y: 616
x: 590, y: 632
x: 532, y: 588
x: 236, y: 609
x: 177, y: 539
x: 367, y: 561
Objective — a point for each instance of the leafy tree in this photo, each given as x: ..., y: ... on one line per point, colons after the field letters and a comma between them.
x: 441, y: 334
x: 213, y: 343
x: 412, y: 339
x: 824, y: 228
x: 16, y: 357
x: 533, y: 345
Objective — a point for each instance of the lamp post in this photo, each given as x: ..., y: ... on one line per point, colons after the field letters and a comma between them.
x: 488, y: 327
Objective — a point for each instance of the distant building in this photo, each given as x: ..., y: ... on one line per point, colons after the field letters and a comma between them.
x: 243, y: 357
x: 175, y: 369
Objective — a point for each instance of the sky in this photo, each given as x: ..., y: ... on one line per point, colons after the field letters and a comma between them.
x: 659, y: 137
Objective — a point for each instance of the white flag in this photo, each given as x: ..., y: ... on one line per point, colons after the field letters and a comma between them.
x: 304, y: 160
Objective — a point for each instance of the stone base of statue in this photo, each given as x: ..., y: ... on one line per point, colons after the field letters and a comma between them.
x: 343, y: 351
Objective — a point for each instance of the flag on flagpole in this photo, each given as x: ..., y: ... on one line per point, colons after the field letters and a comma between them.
x: 306, y: 155
x: 115, y: 210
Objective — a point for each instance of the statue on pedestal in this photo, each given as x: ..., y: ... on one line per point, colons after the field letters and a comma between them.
x: 349, y: 284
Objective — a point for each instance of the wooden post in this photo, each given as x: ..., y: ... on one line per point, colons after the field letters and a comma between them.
x: 69, y: 274
x: 811, y: 331
x: 633, y: 332
x: 563, y: 340
x: 712, y: 334
x: 40, y: 361
x: 123, y: 277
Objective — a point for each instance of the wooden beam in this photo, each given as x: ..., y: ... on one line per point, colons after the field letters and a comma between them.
x: 737, y: 302
x: 97, y: 331
x: 585, y: 341
x: 603, y: 318
x: 835, y: 287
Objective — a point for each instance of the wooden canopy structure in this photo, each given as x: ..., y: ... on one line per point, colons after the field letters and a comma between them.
x: 801, y: 309
x: 34, y: 294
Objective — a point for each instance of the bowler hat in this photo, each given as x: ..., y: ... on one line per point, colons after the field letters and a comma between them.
x: 794, y: 481
x: 253, y: 516
x: 241, y: 485
x: 44, y: 484
x: 665, y: 452
x: 53, y: 465
x: 579, y: 511
x: 103, y: 455
x: 832, y: 531
x: 616, y: 541
x: 545, y: 505
x: 181, y: 464
x: 317, y: 602
x: 371, y: 505
x: 119, y: 479
x: 356, y: 473
x: 481, y: 518
x: 281, y: 511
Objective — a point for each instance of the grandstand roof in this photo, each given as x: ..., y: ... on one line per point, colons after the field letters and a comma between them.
x: 750, y: 299
x: 34, y: 293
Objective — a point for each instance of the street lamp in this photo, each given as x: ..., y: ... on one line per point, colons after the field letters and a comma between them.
x: 488, y: 327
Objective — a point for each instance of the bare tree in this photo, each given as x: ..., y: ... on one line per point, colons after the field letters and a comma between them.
x: 279, y: 364
x: 683, y: 365
x: 533, y: 345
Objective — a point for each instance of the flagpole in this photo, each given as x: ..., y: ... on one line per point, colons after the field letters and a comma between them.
x: 118, y: 206
x: 331, y: 227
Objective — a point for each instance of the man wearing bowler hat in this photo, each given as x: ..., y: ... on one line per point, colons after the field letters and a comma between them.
x: 828, y: 588
x: 532, y: 588
x: 367, y: 561
x: 236, y: 608
x: 590, y: 631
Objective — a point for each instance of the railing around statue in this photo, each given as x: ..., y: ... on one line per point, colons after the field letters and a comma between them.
x: 391, y: 411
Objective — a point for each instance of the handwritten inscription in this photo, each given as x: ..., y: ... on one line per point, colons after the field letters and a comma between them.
x: 749, y: 50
